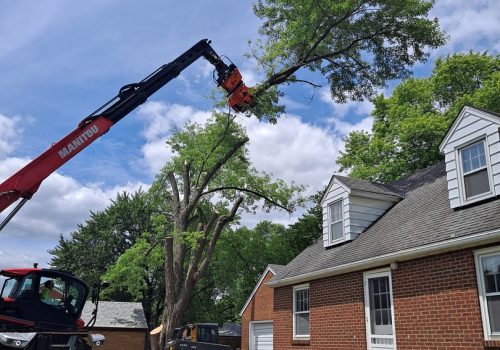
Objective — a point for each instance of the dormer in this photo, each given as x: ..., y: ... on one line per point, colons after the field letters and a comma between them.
x: 351, y: 205
x: 472, y: 153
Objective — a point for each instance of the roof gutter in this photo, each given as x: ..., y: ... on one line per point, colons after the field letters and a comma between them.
x: 402, y: 255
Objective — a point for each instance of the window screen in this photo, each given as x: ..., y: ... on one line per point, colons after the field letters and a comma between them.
x: 336, y: 222
x: 301, y: 311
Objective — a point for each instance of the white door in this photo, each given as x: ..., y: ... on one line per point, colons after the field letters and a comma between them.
x: 261, y: 336
x: 379, y: 311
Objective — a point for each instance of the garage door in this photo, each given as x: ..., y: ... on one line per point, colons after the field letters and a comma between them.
x: 262, y: 336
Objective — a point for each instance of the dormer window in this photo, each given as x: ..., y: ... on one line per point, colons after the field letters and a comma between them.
x: 336, y: 221
x: 475, y: 172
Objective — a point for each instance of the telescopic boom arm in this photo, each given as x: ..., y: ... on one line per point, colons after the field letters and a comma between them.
x: 26, y: 181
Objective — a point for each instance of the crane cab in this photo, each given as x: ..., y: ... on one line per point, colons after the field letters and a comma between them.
x: 42, y: 299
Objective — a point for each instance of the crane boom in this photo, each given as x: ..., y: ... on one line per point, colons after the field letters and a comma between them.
x: 25, y: 182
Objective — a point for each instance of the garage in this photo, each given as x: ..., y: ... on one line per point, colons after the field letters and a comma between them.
x: 261, y: 336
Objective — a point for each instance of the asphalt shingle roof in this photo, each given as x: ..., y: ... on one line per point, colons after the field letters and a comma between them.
x: 230, y: 330
x: 423, y: 217
x: 277, y: 269
x: 368, y: 186
x: 113, y: 314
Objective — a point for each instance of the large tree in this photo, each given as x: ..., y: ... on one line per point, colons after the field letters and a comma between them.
x: 197, y: 194
x: 357, y: 45
x: 409, y: 125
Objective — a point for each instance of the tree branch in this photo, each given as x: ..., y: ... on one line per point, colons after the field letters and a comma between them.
x: 221, y: 222
x: 260, y: 195
x: 186, y: 183
x: 210, y: 174
x: 307, y: 82
x: 224, y: 134
x: 175, y: 190
x: 329, y: 29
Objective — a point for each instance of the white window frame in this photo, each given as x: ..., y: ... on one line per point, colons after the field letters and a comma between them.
x: 330, y: 222
x: 478, y: 254
x: 374, y: 274
x: 461, y: 173
x: 301, y: 336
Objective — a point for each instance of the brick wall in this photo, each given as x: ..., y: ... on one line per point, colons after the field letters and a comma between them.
x: 336, y: 314
x: 120, y: 339
x: 435, y: 300
x: 260, y: 308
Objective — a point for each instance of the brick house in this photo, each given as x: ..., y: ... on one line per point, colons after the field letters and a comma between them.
x: 122, y: 323
x: 414, y: 264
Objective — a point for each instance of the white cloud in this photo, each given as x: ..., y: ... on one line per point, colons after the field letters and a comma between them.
x: 9, y: 134
x: 471, y: 24
x: 22, y: 258
x: 342, y: 110
x: 160, y: 121
x: 343, y: 128
x: 292, y: 150
x: 59, y: 206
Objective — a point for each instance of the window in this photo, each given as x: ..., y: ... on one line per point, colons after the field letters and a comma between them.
x: 336, y: 221
x: 26, y: 288
x: 8, y: 286
x: 301, y: 312
x: 488, y: 275
x: 475, y: 171
x: 52, y: 290
x: 62, y: 294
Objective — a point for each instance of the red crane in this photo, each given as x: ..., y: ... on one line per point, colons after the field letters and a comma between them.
x: 27, y: 180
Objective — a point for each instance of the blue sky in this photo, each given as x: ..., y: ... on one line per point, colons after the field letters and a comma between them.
x: 60, y: 60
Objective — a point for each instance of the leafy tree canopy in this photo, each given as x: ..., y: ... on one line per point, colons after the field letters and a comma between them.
x: 356, y: 45
x: 409, y: 125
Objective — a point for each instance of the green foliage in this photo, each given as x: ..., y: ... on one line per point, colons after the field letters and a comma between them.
x: 356, y: 45
x: 409, y: 125
x: 200, y: 148
x: 98, y: 243
x: 137, y: 275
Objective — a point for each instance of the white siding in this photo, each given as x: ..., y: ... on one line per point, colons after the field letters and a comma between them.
x: 471, y: 125
x: 364, y: 211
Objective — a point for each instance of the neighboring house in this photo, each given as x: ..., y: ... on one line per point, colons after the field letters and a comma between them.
x: 230, y: 334
x: 257, y: 313
x: 414, y: 264
x: 123, y: 324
